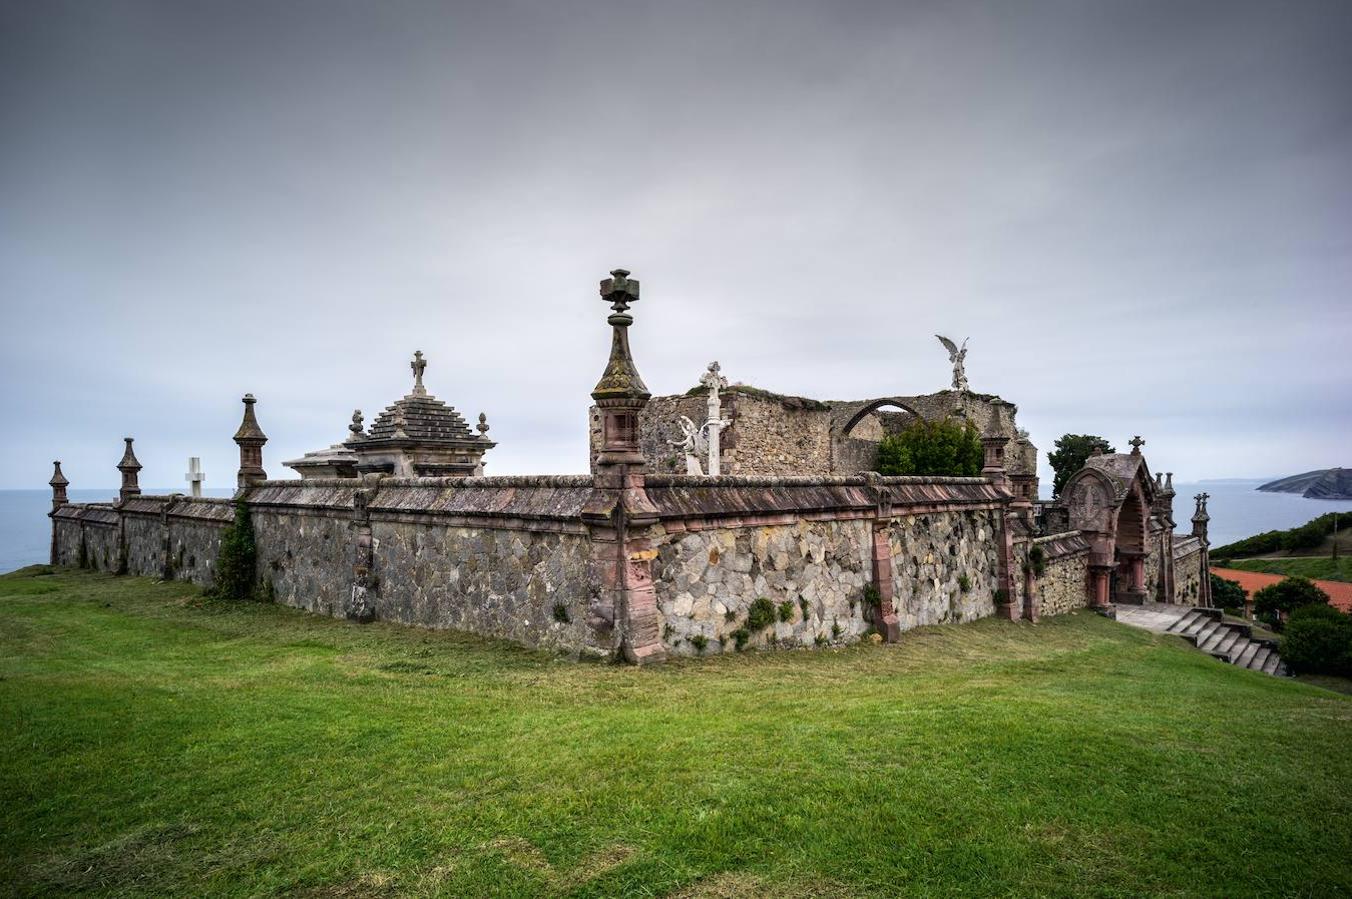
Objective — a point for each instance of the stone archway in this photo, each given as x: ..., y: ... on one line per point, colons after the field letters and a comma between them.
x: 1129, y: 546
x: 857, y: 429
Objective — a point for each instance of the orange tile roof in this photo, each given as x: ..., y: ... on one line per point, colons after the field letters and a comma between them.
x: 1340, y: 593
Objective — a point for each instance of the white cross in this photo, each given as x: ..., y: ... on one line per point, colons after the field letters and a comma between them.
x: 195, y: 476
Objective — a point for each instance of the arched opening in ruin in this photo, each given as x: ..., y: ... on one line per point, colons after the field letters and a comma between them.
x: 854, y: 447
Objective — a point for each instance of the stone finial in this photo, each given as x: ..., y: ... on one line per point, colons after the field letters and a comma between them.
x: 1201, y: 517
x: 130, y: 469
x: 993, y: 441
x: 482, y: 426
x: 619, y: 291
x: 356, y: 427
x: 1169, y: 482
x: 1136, y: 444
x: 58, y: 483
x: 419, y: 365
x: 250, y: 439
x: 620, y: 393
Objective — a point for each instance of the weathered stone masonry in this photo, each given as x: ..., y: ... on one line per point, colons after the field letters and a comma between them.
x: 632, y: 562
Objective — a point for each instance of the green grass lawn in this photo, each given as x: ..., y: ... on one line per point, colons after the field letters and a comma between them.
x: 155, y: 743
x: 1325, y: 568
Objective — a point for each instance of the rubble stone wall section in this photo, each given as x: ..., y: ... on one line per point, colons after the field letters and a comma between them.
x: 945, y: 566
x: 1064, y: 583
x: 1188, y: 576
x: 813, y: 573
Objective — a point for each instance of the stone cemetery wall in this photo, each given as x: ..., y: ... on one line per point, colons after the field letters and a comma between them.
x: 812, y: 573
x: 1063, y: 585
x: 945, y: 566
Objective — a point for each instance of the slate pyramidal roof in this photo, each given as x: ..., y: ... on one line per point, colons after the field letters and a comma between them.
x: 422, y: 418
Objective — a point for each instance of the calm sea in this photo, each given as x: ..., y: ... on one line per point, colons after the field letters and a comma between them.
x: 1237, y: 511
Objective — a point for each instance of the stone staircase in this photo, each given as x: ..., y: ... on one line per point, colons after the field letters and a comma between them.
x: 1234, y: 643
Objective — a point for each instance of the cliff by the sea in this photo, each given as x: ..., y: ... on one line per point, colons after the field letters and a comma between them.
x: 1328, y: 483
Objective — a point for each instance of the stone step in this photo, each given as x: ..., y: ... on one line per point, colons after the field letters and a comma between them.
x: 1246, y: 653
x: 1256, y: 663
x: 1214, y: 639
x: 1200, y: 622
x: 1273, y: 662
x: 1204, y: 634
x: 1181, y: 625
x: 1227, y: 644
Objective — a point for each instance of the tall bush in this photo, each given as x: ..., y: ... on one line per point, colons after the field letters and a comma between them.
x: 1276, y: 601
x: 1070, y: 454
x: 1318, y: 639
x: 940, y: 448
x: 1227, y: 594
x: 238, y: 560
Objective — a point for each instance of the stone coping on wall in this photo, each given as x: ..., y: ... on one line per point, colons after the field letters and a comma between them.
x: 89, y: 513
x: 1068, y: 543
x: 1186, y: 546
x: 694, y: 496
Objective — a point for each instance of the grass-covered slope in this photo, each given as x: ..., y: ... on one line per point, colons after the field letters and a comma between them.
x: 155, y: 743
x: 1323, y: 568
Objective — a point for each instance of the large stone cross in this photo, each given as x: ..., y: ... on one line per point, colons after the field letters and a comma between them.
x: 1136, y: 444
x: 419, y: 365
x: 714, y: 380
x: 194, y: 476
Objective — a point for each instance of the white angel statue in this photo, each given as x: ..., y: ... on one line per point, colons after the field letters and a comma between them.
x: 956, y: 356
x: 694, y: 444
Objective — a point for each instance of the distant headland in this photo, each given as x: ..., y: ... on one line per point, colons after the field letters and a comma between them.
x: 1328, y: 483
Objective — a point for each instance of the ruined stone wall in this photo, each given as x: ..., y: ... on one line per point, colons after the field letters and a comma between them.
x: 707, y: 580
x: 1063, y: 585
x: 944, y: 566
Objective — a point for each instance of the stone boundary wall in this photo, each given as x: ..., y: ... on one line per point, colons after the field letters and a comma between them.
x: 524, y: 558
x: 1064, y: 583
x: 1189, y: 569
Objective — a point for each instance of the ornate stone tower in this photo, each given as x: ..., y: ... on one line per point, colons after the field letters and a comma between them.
x: 619, y: 511
x: 250, y: 439
x: 58, y: 483
x: 130, y: 469
x: 1200, y: 520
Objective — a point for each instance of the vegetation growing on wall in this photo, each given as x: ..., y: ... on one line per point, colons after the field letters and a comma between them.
x: 238, y: 562
x: 1070, y: 454
x: 945, y: 448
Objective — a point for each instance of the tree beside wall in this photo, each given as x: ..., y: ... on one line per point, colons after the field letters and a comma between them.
x: 939, y: 448
x: 1070, y: 454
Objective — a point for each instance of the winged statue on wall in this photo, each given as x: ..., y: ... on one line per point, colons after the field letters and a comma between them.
x: 956, y: 355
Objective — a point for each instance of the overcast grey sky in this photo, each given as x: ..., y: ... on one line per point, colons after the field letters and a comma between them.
x: 1141, y: 214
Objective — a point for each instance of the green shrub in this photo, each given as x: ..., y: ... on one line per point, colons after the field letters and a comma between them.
x: 940, y: 448
x: 561, y: 613
x: 740, y: 637
x: 835, y: 630
x: 1037, y: 561
x: 236, y: 567
x: 872, y: 598
x: 760, y: 615
x: 964, y: 583
x: 786, y: 611
x: 699, y: 641
x: 806, y: 607
x: 1318, y: 640
x: 1284, y: 597
x: 1226, y: 594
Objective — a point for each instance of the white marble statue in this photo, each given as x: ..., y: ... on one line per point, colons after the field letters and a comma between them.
x: 957, y: 357
x: 713, y: 427
x: 693, y: 444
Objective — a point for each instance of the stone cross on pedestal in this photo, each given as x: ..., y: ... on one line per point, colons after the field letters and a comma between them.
x: 713, y: 428
x: 194, y: 477
x: 419, y: 365
x: 1136, y: 444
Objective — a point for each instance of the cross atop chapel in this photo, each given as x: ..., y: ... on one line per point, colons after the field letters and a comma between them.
x: 1136, y: 444
x: 419, y: 365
